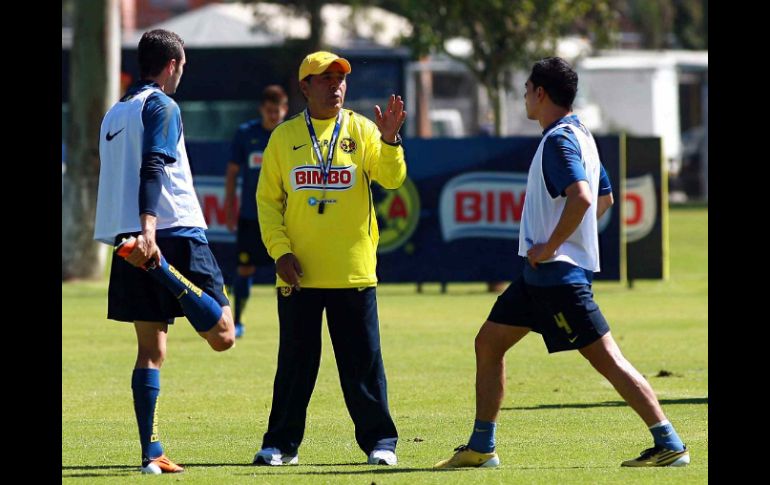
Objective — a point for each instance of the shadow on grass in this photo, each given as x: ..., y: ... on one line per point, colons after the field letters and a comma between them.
x: 358, y: 463
x: 606, y: 404
x: 386, y: 471
x: 305, y: 469
x: 117, y: 467
x: 104, y: 475
x: 85, y: 471
x: 369, y: 470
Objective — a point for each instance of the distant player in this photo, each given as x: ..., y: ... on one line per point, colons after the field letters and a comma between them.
x: 246, y: 159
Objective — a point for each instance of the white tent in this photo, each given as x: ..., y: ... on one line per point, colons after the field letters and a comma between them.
x: 264, y: 24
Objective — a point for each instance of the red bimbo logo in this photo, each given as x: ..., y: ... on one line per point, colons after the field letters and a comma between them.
x: 255, y: 159
x: 641, y: 207
x: 309, y: 177
x: 211, y: 195
x: 482, y: 204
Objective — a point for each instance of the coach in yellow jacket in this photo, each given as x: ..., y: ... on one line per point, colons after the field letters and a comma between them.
x: 318, y: 223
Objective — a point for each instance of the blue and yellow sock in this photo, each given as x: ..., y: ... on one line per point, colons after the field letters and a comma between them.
x: 241, y: 290
x: 201, y: 310
x: 664, y: 435
x: 483, y: 437
x: 145, y: 384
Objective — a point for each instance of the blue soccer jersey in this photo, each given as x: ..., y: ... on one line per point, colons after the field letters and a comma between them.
x: 248, y: 145
x: 162, y: 122
x: 562, y: 162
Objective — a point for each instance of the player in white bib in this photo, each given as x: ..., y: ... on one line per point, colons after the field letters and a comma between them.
x: 567, y: 191
x: 146, y: 191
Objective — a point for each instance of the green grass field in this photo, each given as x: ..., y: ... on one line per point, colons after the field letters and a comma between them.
x: 561, y: 421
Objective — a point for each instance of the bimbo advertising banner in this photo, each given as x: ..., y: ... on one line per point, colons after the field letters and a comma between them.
x: 455, y: 218
x: 458, y: 217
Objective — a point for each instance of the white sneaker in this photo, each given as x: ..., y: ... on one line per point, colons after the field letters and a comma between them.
x: 382, y: 457
x: 274, y: 457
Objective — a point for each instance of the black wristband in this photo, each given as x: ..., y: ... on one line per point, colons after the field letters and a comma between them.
x: 396, y: 144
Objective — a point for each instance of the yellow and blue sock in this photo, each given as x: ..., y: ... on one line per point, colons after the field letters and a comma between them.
x: 664, y: 435
x: 201, y: 310
x: 145, y: 384
x: 483, y: 437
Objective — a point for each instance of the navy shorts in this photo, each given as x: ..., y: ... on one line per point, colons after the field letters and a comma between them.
x: 134, y: 295
x: 566, y: 316
x: 251, y: 249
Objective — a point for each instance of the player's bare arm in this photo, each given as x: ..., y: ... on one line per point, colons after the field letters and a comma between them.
x: 604, y: 203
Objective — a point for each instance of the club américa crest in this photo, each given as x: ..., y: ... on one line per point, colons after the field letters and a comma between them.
x: 348, y: 145
x: 398, y: 213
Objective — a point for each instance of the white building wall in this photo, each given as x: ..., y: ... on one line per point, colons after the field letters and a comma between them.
x: 665, y: 110
x: 625, y: 99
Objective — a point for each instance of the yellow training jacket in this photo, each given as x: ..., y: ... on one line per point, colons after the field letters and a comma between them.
x: 336, y: 249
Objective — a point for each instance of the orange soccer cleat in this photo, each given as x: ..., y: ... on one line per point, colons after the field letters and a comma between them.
x: 160, y: 465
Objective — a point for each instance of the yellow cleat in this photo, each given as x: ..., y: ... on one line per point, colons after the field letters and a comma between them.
x: 659, y: 456
x: 466, y: 457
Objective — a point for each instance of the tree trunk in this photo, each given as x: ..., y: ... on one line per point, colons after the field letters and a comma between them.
x: 94, y: 75
x: 316, y: 26
x: 497, y: 100
x: 424, y: 96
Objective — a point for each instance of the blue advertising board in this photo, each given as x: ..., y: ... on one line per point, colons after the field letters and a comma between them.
x: 456, y: 218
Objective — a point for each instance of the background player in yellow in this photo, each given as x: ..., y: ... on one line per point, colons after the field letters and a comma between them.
x: 318, y: 223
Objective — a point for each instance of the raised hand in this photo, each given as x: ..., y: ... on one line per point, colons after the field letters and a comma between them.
x: 390, y: 120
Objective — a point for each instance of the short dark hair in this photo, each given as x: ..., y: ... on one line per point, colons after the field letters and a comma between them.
x: 557, y: 78
x: 274, y: 94
x: 156, y: 49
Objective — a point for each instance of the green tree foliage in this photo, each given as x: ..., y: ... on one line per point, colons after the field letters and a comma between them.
x: 503, y: 34
x: 691, y: 24
x: 667, y: 24
x: 653, y: 19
